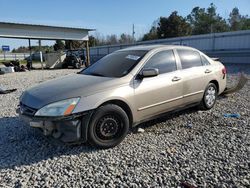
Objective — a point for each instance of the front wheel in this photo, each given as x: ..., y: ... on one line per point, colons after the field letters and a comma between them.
x: 108, y: 127
x: 210, y: 97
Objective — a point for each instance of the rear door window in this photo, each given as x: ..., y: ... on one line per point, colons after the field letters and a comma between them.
x: 189, y: 58
x: 164, y: 61
x: 204, y: 60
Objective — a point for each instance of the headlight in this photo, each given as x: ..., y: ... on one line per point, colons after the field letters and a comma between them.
x: 61, y: 108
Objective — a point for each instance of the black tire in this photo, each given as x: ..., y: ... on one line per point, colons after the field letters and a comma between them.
x: 77, y: 65
x: 209, y: 97
x: 108, y: 127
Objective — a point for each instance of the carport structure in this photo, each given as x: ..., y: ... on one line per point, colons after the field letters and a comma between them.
x: 44, y: 32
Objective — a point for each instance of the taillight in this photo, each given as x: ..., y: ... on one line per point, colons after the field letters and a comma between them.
x: 224, y: 71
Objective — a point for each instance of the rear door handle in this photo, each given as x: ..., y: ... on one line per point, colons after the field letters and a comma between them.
x: 176, y: 79
x: 208, y: 71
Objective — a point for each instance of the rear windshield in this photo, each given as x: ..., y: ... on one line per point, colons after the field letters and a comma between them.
x: 117, y: 64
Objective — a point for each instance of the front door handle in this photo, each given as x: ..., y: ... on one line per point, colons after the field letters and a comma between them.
x: 208, y: 71
x: 176, y: 79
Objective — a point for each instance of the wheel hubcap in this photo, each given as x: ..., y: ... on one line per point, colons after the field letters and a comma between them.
x: 108, y: 127
x: 210, y: 96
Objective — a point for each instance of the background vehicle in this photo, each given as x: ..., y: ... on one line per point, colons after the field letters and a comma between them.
x: 74, y: 59
x: 101, y: 103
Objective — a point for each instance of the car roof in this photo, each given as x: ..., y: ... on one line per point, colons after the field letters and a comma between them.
x: 156, y: 46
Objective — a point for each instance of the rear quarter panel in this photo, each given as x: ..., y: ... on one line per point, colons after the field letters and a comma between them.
x: 217, y: 75
x: 216, y: 67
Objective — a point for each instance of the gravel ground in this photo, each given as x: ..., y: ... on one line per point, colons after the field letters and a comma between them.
x: 213, y: 152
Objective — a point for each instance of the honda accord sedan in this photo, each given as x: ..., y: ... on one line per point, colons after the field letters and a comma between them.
x: 101, y: 103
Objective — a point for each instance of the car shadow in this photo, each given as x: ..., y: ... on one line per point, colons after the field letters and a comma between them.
x: 23, y: 145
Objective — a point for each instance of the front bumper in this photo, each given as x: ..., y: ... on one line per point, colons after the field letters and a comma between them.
x: 69, y: 129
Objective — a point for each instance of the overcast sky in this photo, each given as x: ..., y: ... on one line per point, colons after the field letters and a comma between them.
x: 107, y: 16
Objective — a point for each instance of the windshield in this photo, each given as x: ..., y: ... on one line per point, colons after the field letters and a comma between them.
x: 117, y: 64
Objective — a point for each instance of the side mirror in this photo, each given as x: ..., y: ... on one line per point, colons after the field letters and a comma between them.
x: 151, y: 72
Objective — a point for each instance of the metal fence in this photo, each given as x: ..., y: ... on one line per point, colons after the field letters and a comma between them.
x: 230, y: 47
x: 13, y: 56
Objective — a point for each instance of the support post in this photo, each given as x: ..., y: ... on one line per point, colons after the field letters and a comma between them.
x: 40, y: 53
x: 29, y: 63
x: 30, y: 48
x: 87, y: 54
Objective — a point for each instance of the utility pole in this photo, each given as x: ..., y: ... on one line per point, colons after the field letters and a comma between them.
x: 133, y: 33
x: 211, y: 28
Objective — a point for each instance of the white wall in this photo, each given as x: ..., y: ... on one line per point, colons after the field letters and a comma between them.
x: 14, y: 56
x: 231, y: 47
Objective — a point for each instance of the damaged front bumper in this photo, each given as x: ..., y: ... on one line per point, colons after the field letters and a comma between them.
x: 69, y: 129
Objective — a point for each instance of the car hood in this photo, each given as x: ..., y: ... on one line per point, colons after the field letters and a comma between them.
x: 75, y: 85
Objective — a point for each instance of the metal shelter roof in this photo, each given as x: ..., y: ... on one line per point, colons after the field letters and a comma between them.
x: 42, y: 32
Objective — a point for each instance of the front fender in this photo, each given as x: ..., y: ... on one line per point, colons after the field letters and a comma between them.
x: 91, y: 102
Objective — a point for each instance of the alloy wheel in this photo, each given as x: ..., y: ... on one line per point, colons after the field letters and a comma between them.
x: 210, y: 96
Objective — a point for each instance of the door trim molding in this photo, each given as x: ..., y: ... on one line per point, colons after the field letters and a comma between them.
x: 170, y: 100
x: 191, y: 94
x: 160, y: 103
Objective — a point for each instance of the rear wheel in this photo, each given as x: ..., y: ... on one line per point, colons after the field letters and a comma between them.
x: 77, y: 65
x: 108, y: 127
x: 210, y: 97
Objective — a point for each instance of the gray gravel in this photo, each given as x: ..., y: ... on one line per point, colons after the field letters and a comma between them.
x: 199, y: 147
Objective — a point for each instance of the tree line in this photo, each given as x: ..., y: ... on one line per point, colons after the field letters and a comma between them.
x: 96, y: 40
x: 25, y: 49
x: 199, y: 21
